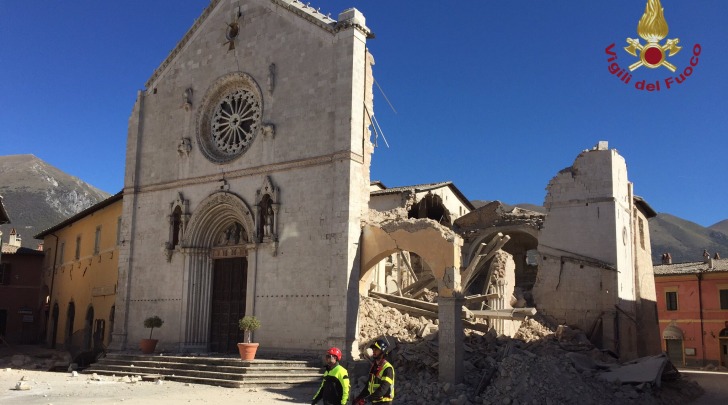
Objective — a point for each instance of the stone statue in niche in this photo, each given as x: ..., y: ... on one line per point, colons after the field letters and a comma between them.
x: 187, y: 99
x: 184, y: 146
x: 268, y: 221
x: 232, y: 235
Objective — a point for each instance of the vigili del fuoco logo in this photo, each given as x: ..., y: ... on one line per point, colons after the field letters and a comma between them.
x: 652, y: 54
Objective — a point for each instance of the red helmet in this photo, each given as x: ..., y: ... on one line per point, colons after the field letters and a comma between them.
x: 334, y: 351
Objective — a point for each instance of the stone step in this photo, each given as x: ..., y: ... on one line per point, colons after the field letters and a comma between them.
x: 235, y: 376
x: 209, y: 360
x: 270, y: 382
x: 219, y: 371
x: 238, y: 368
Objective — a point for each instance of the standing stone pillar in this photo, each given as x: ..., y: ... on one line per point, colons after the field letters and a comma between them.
x: 450, y: 337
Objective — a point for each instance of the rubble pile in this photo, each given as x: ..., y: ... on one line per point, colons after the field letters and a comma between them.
x: 376, y: 320
x: 541, y: 365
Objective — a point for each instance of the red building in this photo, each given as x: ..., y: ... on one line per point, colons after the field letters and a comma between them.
x: 692, y: 306
x: 22, y: 309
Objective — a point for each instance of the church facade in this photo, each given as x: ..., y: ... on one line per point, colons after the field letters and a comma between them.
x: 247, y: 178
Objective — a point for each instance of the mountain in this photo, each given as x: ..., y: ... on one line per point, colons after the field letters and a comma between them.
x: 37, y: 196
x: 684, y: 240
x: 721, y: 226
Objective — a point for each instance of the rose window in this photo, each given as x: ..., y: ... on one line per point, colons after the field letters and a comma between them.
x: 234, y: 122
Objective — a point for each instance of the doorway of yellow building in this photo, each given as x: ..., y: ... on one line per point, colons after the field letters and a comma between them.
x: 229, y: 282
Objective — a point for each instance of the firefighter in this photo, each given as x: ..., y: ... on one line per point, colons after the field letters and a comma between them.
x: 334, y: 388
x: 380, y: 388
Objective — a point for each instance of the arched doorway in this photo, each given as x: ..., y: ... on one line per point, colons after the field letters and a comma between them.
x: 70, y: 317
x: 674, y: 337
x: 88, y: 329
x: 54, y: 325
x: 112, y: 315
x: 221, y: 229
x: 229, y: 290
x: 723, y: 341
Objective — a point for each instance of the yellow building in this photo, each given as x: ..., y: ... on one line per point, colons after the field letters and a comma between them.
x: 80, y: 273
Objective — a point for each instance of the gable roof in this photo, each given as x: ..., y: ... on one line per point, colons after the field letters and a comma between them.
x: 646, y: 209
x: 90, y: 210
x: 17, y: 250
x: 305, y: 11
x: 425, y: 187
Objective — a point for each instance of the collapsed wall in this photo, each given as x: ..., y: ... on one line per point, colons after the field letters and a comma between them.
x: 587, y: 255
x: 541, y: 365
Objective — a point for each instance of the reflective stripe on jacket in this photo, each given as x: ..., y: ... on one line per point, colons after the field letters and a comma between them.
x: 376, y: 379
x: 334, y: 388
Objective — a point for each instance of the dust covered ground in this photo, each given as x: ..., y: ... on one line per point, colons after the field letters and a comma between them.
x: 24, y: 367
x: 62, y: 389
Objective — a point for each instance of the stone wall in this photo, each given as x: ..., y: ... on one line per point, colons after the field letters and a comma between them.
x: 312, y: 78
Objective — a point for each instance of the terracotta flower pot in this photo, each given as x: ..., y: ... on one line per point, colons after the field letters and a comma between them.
x: 247, y: 350
x: 148, y: 345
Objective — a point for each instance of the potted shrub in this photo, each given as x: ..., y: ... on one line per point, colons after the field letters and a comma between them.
x: 148, y: 345
x: 247, y: 349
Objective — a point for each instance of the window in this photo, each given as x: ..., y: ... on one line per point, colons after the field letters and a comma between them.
x: 671, y: 300
x: 118, y: 231
x: 97, y: 240
x: 78, y: 247
x: 642, y: 232
x: 61, y: 251
x: 176, y: 223
x: 723, y: 299
x: 4, y: 273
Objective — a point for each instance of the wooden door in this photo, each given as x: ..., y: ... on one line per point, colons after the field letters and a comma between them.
x: 674, y: 351
x: 723, y: 351
x: 229, y: 283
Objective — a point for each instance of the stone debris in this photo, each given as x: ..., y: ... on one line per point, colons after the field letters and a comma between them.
x: 35, y: 360
x: 22, y: 386
x: 542, y: 364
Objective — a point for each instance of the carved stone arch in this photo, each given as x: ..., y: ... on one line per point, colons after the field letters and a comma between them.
x: 438, y: 246
x: 215, y: 213
x: 220, y: 214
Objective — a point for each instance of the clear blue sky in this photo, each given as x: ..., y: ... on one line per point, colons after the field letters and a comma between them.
x: 497, y: 96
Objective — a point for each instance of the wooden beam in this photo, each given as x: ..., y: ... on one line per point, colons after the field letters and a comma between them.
x: 418, y: 284
x: 427, y: 306
x: 407, y: 308
x: 474, y: 299
x: 514, y: 313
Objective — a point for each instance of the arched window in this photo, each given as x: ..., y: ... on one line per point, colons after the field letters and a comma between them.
x: 111, y: 322
x: 176, y: 224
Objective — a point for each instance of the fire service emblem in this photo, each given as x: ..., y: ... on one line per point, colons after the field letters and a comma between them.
x: 653, y: 28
